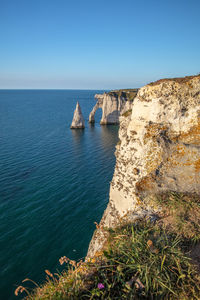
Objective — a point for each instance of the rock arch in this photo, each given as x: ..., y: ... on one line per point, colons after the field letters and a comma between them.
x: 98, y: 105
x: 113, y: 105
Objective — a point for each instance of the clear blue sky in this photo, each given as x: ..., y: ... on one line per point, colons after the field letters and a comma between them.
x: 97, y: 44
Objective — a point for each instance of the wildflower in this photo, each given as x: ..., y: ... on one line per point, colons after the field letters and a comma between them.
x: 97, y: 225
x: 150, y: 243
x: 139, y: 285
x: 48, y: 273
x: 79, y: 263
x: 63, y: 260
x: 151, y: 246
x: 101, y: 286
x: 72, y: 262
x: 19, y: 289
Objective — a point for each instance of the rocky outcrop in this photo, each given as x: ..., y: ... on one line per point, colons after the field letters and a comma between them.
x: 98, y: 105
x: 113, y: 105
x: 78, y: 121
x: 159, y: 151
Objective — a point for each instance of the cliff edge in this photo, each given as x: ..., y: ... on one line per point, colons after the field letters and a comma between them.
x: 158, y: 152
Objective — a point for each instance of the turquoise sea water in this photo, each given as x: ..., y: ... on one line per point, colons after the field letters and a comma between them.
x: 54, y: 182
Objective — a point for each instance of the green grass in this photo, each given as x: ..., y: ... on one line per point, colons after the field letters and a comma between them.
x: 129, y: 94
x: 181, y: 213
x: 127, y: 113
x: 141, y: 261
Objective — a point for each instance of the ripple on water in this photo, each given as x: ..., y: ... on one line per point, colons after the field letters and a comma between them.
x: 54, y: 182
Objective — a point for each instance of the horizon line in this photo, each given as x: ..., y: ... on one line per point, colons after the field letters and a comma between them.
x: 62, y: 89
x: 49, y: 89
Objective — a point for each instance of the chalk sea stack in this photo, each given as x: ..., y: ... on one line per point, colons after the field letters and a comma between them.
x: 78, y: 121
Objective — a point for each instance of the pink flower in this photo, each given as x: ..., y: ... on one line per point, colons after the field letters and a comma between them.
x: 100, y: 286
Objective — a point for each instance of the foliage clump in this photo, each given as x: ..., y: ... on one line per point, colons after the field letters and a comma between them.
x: 140, y: 261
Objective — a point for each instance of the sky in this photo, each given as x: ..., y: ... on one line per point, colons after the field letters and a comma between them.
x: 97, y: 44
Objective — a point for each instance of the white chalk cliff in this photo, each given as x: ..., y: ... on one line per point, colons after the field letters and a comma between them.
x: 159, y: 151
x: 113, y: 104
x: 78, y: 121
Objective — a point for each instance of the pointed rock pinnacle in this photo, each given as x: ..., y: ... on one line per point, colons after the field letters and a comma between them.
x: 78, y: 121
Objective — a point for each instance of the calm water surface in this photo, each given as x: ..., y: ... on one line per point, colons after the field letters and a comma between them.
x: 54, y: 182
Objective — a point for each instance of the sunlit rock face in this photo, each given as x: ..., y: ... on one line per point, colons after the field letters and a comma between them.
x: 113, y: 105
x: 159, y: 151
x: 78, y: 121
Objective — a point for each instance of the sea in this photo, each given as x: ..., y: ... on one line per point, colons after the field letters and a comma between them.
x: 54, y: 182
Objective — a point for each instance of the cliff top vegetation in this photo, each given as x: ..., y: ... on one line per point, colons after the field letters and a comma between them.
x: 178, y: 80
x: 144, y: 260
x: 129, y: 94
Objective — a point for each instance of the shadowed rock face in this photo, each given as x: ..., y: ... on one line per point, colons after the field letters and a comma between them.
x: 78, y: 121
x: 159, y: 151
x: 113, y: 105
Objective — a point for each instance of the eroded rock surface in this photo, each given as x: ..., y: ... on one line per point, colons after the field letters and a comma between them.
x: 159, y: 151
x: 78, y: 121
x: 99, y: 104
x: 113, y: 105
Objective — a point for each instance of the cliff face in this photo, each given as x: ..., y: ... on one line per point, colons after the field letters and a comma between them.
x: 159, y: 151
x: 113, y: 105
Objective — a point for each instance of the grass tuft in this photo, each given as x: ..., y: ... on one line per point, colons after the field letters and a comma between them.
x: 127, y: 113
x: 181, y: 214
